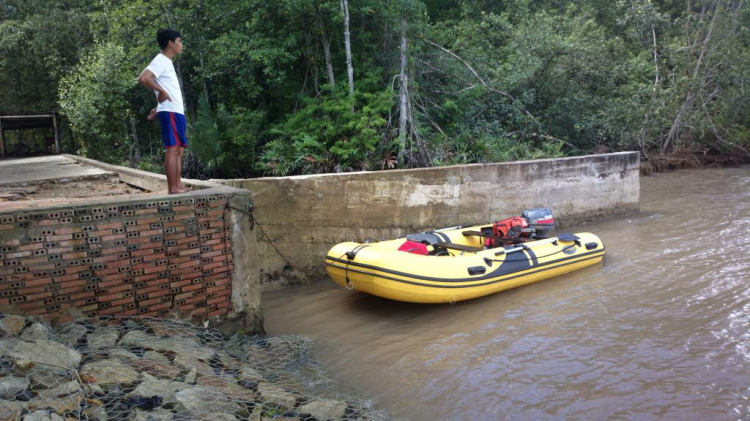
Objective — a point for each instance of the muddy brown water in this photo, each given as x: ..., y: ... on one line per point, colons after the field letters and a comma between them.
x: 659, y: 331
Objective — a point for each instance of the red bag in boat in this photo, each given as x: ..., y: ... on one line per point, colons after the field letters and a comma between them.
x: 414, y: 247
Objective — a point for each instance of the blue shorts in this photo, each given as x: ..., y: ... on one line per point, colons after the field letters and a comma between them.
x: 172, y: 129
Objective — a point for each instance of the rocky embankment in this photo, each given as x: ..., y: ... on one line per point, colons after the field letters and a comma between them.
x: 147, y: 369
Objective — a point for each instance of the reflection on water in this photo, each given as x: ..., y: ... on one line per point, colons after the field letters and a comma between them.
x: 659, y: 330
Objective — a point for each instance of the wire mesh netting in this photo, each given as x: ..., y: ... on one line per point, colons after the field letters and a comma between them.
x: 140, y: 369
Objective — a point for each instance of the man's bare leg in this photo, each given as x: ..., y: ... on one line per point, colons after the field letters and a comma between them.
x: 170, y: 165
x: 178, y: 172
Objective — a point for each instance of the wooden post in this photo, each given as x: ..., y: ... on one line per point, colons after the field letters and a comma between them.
x: 2, y: 140
x: 57, y: 135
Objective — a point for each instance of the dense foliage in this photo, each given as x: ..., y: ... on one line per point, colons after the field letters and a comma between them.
x: 434, y: 82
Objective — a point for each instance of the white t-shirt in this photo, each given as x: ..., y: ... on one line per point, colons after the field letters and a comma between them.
x: 161, y: 66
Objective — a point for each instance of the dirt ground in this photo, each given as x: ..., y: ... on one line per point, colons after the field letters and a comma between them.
x: 68, y: 189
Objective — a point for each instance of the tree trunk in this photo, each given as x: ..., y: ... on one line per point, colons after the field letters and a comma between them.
x: 348, y: 44
x: 403, y: 97
x: 135, y: 148
x: 327, y: 53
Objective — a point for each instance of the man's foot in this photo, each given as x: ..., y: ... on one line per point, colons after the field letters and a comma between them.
x: 184, y: 189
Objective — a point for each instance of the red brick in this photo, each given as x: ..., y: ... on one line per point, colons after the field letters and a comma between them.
x: 214, y: 265
x: 171, y: 237
x: 117, y: 277
x: 220, y: 300
x: 33, y: 262
x: 126, y: 300
x: 110, y: 297
x: 155, y: 269
x: 31, y: 247
x: 177, y: 260
x: 72, y: 243
x: 144, y: 278
x: 107, y: 272
x: 38, y: 282
x: 182, y: 208
x: 154, y: 257
x: 109, y: 225
x: 191, y: 287
x: 118, y: 263
x: 114, y: 250
x: 28, y: 292
x: 217, y: 313
x: 17, y: 255
x: 190, y: 263
x: 76, y: 269
x: 212, y: 242
x: 146, y: 211
x: 148, y: 221
x: 187, y: 240
x: 139, y: 240
x: 79, y: 255
x: 109, y: 258
x: 73, y: 284
x: 149, y: 302
x: 161, y: 306
x: 38, y: 296
x: 47, y: 222
x: 59, y: 250
x: 132, y: 312
x: 126, y: 287
x: 113, y: 237
x: 159, y: 293
x: 180, y: 217
x: 66, y: 278
x: 144, y: 265
x: 189, y: 252
x: 61, y: 237
x: 178, y: 284
x: 82, y: 295
x: 6, y: 227
x: 112, y: 310
x: 199, y: 312
x: 149, y: 233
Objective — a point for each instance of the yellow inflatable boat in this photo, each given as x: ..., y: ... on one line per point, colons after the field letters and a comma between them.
x: 457, y: 264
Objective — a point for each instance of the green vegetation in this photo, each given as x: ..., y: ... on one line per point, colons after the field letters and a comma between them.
x: 435, y: 82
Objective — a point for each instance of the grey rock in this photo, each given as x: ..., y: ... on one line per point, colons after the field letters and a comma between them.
x: 59, y: 405
x: 157, y: 414
x: 61, y: 391
x: 11, y: 325
x: 248, y: 373
x: 95, y: 413
x: 205, y: 400
x: 324, y: 409
x: 71, y: 334
x: 229, y: 387
x: 35, y: 332
x: 110, y: 372
x: 42, y: 416
x: 273, y: 394
x: 122, y: 354
x: 178, y: 345
x: 11, y: 410
x: 156, y: 356
x: 187, y: 363
x: 11, y: 386
x: 45, y: 352
x: 162, y: 371
x: 166, y: 329
x: 105, y: 337
x: 164, y: 388
x: 48, y: 378
x: 191, y: 376
x: 7, y: 344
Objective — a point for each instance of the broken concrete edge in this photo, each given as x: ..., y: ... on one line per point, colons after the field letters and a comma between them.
x: 245, y: 299
x: 139, y: 178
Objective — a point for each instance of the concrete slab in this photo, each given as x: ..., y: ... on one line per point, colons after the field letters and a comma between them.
x: 26, y: 171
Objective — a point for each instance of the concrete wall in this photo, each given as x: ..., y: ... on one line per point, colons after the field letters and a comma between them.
x: 304, y: 216
x: 147, y: 255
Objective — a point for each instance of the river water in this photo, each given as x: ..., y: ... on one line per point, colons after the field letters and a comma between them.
x: 659, y: 331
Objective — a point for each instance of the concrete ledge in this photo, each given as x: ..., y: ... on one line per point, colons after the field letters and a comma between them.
x: 304, y: 216
x: 142, y: 179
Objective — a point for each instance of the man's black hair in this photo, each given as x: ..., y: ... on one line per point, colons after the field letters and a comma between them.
x: 163, y: 36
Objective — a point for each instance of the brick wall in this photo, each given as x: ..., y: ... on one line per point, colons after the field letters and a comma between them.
x: 125, y: 258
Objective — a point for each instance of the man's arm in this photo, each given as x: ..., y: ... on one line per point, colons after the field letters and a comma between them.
x: 148, y: 79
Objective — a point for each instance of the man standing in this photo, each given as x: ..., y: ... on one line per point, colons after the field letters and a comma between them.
x: 162, y: 78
